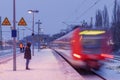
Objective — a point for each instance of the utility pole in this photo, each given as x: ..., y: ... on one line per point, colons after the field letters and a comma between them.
x: 38, y: 33
x: 0, y: 34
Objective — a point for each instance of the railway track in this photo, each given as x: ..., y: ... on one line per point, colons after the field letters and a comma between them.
x: 87, y: 75
x: 7, y: 55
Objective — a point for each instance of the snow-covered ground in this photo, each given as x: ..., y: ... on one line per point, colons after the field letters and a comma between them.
x: 111, y: 70
x: 44, y: 66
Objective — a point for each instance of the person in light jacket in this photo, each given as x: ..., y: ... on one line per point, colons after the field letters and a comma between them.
x: 21, y: 46
x: 27, y: 55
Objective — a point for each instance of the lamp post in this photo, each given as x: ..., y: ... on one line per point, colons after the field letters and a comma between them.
x: 32, y: 12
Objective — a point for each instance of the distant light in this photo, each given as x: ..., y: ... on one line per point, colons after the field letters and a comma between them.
x: 91, y: 32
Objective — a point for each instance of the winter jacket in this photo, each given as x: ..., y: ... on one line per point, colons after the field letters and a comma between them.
x: 27, y: 54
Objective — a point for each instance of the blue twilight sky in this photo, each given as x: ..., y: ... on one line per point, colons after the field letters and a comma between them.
x: 54, y: 14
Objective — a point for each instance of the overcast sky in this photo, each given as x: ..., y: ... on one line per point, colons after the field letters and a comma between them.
x: 52, y: 13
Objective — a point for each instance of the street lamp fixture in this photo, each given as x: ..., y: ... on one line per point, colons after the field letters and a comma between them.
x: 32, y: 12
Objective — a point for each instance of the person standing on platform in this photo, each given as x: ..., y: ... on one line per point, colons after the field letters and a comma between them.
x: 27, y: 55
x: 21, y: 46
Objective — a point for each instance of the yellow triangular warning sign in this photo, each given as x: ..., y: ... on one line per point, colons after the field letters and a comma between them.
x: 6, y: 22
x: 22, y: 22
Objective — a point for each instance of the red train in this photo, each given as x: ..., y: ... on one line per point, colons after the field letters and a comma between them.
x: 85, y: 48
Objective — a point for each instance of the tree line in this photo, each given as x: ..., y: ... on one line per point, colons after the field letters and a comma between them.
x: 115, y: 28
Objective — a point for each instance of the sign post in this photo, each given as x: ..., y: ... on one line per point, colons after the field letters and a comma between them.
x: 14, y: 37
x: 0, y: 34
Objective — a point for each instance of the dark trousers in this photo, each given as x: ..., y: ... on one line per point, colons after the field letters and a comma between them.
x: 20, y: 49
x: 27, y: 63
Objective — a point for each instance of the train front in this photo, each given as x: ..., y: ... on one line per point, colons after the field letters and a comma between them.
x: 92, y: 47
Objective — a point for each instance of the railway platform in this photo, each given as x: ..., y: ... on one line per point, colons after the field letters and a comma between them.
x: 44, y: 65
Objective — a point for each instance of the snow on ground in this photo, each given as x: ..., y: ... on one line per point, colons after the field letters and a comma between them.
x: 111, y: 70
x: 44, y: 66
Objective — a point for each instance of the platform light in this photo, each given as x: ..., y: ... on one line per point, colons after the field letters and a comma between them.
x: 33, y: 11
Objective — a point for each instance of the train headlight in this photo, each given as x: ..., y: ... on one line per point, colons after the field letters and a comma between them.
x: 76, y: 55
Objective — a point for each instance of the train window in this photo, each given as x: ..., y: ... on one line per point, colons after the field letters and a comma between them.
x: 91, y: 44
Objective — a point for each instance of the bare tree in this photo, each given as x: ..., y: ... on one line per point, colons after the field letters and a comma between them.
x: 105, y: 17
x: 114, y: 17
x: 116, y: 25
x: 98, y: 22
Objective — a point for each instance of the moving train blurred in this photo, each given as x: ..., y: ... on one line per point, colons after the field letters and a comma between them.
x: 85, y: 48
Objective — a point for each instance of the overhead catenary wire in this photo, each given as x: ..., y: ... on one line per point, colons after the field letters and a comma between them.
x: 29, y: 29
x: 76, y: 9
x: 96, y: 2
x: 82, y: 14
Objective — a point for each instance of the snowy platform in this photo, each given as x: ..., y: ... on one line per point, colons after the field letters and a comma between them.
x: 44, y: 65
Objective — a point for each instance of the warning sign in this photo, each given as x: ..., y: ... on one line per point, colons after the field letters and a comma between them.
x: 22, y: 22
x: 6, y: 22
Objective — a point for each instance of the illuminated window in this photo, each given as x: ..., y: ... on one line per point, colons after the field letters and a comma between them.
x: 92, y: 32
